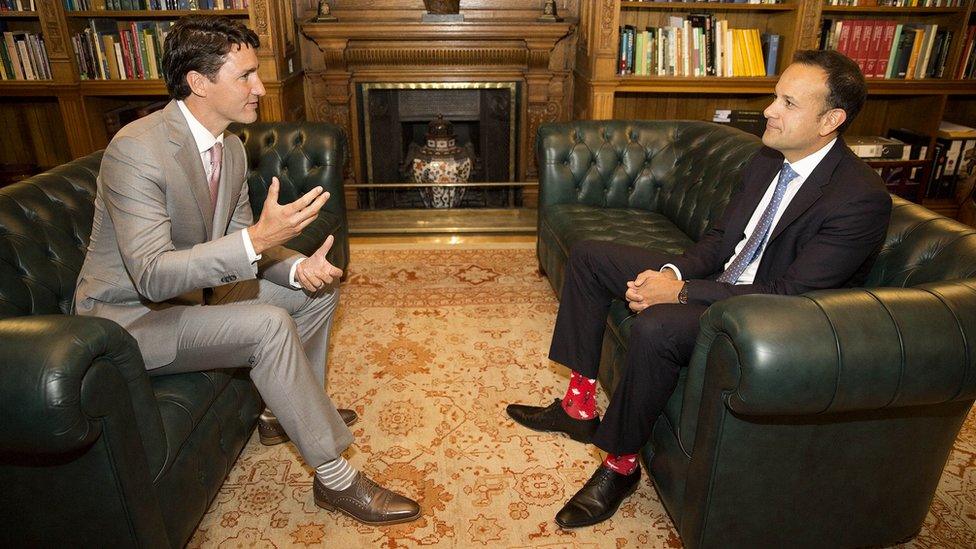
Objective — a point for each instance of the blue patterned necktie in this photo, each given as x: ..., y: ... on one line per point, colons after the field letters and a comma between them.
x: 758, y: 237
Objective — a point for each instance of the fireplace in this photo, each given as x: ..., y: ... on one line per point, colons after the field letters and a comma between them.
x: 395, y: 115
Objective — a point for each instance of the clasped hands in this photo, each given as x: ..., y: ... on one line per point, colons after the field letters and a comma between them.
x: 652, y: 287
x: 280, y: 223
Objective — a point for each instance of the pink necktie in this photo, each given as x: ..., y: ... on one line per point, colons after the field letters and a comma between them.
x: 216, y: 155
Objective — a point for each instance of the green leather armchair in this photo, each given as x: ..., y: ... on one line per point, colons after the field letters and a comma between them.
x: 819, y: 420
x: 94, y: 452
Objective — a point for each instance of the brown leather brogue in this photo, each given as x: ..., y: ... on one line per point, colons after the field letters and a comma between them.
x: 270, y: 431
x: 367, y: 502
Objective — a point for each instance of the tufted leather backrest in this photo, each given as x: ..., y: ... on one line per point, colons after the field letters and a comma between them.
x: 301, y: 154
x: 921, y: 247
x: 45, y: 224
x: 684, y: 170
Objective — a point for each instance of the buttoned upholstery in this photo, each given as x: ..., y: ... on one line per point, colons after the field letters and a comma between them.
x: 94, y: 452
x: 802, y: 421
x: 302, y: 155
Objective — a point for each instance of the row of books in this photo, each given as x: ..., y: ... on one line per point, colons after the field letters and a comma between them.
x: 87, y: 5
x: 120, y: 50
x: 898, y: 3
x: 17, y: 5
x: 967, y: 61
x: 697, y: 45
x: 23, y: 56
x: 888, y: 49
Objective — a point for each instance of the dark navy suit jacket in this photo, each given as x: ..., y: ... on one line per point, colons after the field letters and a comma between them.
x: 828, y: 236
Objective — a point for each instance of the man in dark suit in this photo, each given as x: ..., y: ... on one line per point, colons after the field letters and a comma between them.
x: 176, y: 258
x: 808, y: 215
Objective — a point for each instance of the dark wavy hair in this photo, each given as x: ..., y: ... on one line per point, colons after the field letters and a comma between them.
x: 200, y: 43
x: 846, y: 88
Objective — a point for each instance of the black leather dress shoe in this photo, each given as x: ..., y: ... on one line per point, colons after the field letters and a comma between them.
x: 270, y: 432
x: 553, y: 419
x: 598, y: 499
x: 367, y: 502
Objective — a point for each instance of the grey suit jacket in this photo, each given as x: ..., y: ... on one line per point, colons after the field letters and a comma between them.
x: 154, y: 244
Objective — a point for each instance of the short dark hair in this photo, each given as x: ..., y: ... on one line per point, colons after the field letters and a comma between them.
x: 200, y: 43
x: 846, y: 88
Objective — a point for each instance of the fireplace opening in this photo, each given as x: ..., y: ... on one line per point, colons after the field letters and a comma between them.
x: 395, y: 119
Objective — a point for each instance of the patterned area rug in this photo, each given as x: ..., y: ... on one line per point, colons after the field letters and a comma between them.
x: 429, y: 346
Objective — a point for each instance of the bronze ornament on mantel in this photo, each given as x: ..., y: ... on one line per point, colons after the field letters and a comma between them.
x: 549, y: 12
x: 442, y: 11
x: 324, y: 13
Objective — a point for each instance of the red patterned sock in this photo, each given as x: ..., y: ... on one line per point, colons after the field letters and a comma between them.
x: 580, y: 399
x: 624, y: 464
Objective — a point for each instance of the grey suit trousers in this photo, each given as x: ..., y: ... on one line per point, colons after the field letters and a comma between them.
x: 282, y: 335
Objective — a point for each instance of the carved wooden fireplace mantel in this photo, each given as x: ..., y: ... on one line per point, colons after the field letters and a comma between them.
x: 351, y: 53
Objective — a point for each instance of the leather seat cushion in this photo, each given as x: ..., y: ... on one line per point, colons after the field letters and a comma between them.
x: 576, y: 222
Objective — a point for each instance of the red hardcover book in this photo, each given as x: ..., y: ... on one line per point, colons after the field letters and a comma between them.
x: 876, y: 48
x: 126, y: 54
x: 844, y: 42
x: 867, y: 34
x: 887, y: 38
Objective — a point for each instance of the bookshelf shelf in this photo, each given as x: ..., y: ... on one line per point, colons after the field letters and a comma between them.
x: 31, y: 88
x: 123, y: 87
x: 706, y: 84
x: 18, y: 15
x: 704, y: 6
x: 927, y: 86
x: 151, y: 14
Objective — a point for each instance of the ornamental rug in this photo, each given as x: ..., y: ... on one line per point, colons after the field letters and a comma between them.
x: 429, y: 345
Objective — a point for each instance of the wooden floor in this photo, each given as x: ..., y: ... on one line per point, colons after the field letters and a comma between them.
x: 516, y: 221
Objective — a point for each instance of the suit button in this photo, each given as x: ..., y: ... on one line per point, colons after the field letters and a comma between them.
x: 232, y: 278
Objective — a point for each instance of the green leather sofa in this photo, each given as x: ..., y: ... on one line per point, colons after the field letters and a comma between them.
x: 821, y: 420
x: 93, y: 451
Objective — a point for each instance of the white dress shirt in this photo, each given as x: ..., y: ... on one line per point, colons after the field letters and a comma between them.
x: 803, y: 167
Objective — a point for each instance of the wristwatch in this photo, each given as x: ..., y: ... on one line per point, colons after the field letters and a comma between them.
x: 683, y: 294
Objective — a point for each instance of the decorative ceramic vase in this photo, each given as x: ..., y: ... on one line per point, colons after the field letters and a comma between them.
x: 442, y: 6
x: 441, y: 161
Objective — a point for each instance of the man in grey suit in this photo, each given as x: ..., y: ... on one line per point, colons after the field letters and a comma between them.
x: 177, y: 259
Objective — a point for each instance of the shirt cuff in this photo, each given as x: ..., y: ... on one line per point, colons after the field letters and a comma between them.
x: 249, y: 248
x: 291, y: 274
x: 674, y: 269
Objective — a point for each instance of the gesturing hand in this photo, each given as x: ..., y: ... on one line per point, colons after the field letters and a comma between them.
x: 279, y: 224
x: 316, y: 272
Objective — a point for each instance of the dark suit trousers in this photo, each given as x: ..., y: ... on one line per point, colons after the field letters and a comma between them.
x: 661, y: 341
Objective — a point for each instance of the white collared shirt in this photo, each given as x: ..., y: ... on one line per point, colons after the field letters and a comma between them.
x: 803, y: 167
x: 205, y: 142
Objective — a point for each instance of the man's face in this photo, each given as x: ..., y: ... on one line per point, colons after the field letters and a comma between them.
x: 233, y: 97
x: 798, y: 120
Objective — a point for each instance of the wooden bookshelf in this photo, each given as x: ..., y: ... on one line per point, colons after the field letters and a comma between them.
x: 918, y: 105
x: 71, y: 108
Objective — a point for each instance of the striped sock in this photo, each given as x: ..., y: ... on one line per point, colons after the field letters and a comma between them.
x: 336, y: 474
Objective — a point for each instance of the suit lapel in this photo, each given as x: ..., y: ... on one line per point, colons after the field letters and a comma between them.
x: 188, y: 157
x: 811, y: 190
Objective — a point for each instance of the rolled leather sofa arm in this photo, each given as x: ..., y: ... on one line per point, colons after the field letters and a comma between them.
x: 58, y: 374
x: 839, y: 350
